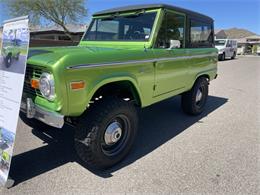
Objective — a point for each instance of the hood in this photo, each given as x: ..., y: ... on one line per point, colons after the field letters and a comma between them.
x: 50, y: 56
x: 220, y: 47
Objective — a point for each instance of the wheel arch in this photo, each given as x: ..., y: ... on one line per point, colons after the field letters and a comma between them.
x: 205, y: 75
x: 121, y: 86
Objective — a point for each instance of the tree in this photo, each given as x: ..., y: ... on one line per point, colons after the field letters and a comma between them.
x: 254, y: 49
x: 59, y: 12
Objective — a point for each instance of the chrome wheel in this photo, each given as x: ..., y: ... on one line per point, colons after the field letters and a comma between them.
x: 113, y: 133
x: 199, y: 96
x: 116, y: 135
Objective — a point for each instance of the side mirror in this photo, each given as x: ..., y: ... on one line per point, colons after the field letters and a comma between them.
x: 175, y: 44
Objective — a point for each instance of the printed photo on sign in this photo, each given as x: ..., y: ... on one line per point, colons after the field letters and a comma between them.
x: 6, y: 145
x: 14, y: 50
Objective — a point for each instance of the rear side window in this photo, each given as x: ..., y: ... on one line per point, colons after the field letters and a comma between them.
x: 234, y: 44
x: 201, y: 34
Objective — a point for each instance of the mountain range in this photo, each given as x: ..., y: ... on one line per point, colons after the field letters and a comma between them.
x: 237, y: 33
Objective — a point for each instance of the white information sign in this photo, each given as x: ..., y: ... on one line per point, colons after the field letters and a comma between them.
x: 14, y: 51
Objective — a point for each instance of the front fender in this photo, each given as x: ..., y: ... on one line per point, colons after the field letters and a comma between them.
x: 79, y: 101
x: 116, y: 79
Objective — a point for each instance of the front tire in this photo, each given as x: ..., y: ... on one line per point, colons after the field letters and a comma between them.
x: 106, y: 133
x: 223, y: 57
x: 8, y: 60
x: 193, y: 101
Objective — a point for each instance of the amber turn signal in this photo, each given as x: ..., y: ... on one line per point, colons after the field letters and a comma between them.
x: 77, y: 85
x: 35, y: 83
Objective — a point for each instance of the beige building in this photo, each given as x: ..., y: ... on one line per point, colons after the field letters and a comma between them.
x: 57, y: 33
x: 220, y: 34
x: 246, y: 44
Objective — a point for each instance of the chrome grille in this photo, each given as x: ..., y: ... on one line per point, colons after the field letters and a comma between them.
x: 32, y: 73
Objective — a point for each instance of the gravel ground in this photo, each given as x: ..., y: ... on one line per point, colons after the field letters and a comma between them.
x: 216, y: 153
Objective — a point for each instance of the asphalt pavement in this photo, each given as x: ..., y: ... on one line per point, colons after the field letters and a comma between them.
x: 17, y: 66
x: 215, y: 153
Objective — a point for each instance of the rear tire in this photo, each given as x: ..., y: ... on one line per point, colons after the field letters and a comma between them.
x: 193, y: 101
x: 106, y: 133
x: 233, y: 56
x: 17, y: 56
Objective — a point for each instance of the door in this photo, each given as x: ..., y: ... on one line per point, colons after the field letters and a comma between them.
x: 229, y: 49
x: 170, y: 67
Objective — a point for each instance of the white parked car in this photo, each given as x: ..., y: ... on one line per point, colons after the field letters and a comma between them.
x: 227, y: 48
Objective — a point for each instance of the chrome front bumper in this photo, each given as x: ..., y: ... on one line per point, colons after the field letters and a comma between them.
x: 31, y: 110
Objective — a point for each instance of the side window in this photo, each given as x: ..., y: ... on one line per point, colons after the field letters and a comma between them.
x: 172, y: 30
x: 201, y: 34
x: 229, y: 43
x: 234, y: 44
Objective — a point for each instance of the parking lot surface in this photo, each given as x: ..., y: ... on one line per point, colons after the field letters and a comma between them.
x: 215, y: 153
x: 17, y: 66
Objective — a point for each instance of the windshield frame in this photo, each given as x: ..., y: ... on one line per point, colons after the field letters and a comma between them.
x: 225, y: 40
x: 157, y: 14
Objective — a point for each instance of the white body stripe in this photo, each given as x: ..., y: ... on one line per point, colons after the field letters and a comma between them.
x: 141, y: 61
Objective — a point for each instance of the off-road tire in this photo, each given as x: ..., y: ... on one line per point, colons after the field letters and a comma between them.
x: 8, y: 60
x: 89, y: 133
x: 223, y: 57
x: 17, y: 56
x: 189, y: 104
x: 233, y: 56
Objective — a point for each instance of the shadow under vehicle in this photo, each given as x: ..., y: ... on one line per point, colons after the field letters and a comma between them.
x: 154, y: 131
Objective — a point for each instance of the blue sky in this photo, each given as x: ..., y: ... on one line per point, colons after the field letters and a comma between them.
x: 226, y: 13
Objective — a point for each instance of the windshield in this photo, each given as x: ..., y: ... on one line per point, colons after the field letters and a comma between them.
x: 220, y: 42
x: 136, y: 27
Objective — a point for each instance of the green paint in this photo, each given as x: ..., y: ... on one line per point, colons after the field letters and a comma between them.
x: 152, y: 82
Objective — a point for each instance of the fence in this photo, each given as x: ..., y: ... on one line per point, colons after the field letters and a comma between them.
x: 51, y: 43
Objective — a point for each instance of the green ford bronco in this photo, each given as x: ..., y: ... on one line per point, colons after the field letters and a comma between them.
x: 11, y: 52
x: 129, y: 58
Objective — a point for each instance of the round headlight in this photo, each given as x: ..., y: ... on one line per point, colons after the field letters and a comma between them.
x: 46, y: 85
